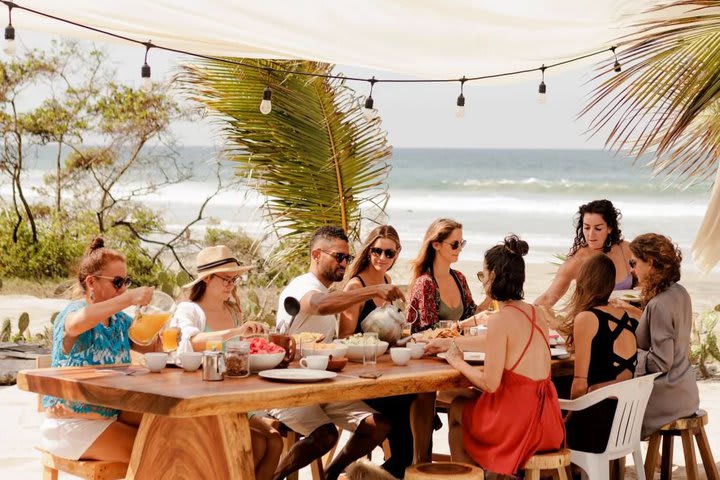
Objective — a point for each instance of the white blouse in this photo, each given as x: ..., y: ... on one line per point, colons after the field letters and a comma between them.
x: 190, y: 318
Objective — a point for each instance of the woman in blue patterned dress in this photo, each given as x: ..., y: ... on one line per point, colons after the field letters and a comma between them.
x: 93, y: 331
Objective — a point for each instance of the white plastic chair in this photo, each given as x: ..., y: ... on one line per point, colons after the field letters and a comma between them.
x: 632, y: 396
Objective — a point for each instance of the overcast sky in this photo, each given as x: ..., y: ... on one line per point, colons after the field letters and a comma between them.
x: 423, y: 115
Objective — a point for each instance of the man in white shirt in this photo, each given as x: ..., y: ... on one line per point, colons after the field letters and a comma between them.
x: 329, y: 257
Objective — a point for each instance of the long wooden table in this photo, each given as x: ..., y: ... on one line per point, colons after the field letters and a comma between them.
x: 194, y: 429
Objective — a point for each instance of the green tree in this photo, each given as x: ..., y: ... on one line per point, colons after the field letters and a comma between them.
x: 315, y: 159
x: 16, y: 77
x: 665, y: 100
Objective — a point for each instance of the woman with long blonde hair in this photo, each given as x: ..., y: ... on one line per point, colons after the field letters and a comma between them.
x: 437, y: 292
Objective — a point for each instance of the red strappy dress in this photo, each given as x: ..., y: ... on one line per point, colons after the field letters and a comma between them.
x: 503, y: 429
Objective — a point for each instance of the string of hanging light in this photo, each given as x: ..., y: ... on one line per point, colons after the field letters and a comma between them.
x: 370, y: 111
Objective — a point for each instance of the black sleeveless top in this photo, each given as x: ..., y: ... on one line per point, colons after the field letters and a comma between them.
x: 367, y: 307
x: 605, y: 364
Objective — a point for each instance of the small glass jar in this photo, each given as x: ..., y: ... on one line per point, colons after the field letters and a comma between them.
x: 237, y: 359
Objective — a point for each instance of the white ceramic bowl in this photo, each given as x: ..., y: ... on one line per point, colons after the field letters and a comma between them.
x: 355, y: 353
x: 337, y: 350
x: 190, y: 361
x: 400, y: 355
x: 417, y: 350
x: 265, y: 361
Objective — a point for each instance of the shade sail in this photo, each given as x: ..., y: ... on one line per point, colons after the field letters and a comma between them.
x: 449, y: 38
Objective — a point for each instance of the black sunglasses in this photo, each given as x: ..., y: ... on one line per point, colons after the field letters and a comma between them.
x: 117, y: 282
x: 632, y: 262
x: 457, y: 244
x: 389, y: 252
x: 339, y: 257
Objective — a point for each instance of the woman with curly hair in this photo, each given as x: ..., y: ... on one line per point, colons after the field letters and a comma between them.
x: 663, y: 335
x: 597, y: 230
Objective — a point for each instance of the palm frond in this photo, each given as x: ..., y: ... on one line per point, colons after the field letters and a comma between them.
x: 315, y: 159
x: 665, y: 101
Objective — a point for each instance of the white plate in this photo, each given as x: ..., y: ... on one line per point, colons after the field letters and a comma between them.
x: 627, y: 295
x: 558, y: 352
x: 297, y: 375
x: 470, y: 357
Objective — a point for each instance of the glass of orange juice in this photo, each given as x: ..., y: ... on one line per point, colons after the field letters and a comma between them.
x: 216, y: 345
x: 170, y: 339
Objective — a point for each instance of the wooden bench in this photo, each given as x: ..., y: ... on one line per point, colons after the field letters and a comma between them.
x: 87, y: 469
x: 685, y: 428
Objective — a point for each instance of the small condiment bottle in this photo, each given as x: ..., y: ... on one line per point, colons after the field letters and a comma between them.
x: 237, y: 359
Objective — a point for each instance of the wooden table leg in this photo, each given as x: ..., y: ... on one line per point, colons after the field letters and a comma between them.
x: 191, y: 448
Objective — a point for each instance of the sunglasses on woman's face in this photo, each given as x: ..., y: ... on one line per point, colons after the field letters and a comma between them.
x: 481, y: 277
x: 117, y: 282
x: 457, y: 244
x: 389, y: 252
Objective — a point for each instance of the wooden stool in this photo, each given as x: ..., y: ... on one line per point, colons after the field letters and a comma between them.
x: 87, y: 469
x: 439, y: 470
x: 685, y: 428
x: 559, y: 461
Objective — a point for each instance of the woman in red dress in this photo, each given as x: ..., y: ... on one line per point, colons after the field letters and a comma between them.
x: 517, y: 414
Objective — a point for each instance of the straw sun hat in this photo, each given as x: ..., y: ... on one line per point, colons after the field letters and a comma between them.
x: 217, y: 259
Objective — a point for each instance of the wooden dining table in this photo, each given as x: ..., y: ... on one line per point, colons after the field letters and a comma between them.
x: 194, y: 429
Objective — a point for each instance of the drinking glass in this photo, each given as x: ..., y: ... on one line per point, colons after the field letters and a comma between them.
x: 370, y: 348
x: 446, y: 324
x: 170, y: 339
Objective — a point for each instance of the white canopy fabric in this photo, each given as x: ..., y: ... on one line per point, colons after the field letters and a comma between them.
x: 448, y: 38
x: 423, y: 38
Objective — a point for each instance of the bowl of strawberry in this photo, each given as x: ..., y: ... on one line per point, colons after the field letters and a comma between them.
x: 264, y: 355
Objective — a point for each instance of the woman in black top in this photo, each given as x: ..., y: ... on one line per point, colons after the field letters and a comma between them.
x: 603, y: 338
x: 411, y: 415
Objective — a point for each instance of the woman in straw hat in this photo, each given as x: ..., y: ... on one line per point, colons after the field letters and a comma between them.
x: 213, y: 311
x: 213, y: 314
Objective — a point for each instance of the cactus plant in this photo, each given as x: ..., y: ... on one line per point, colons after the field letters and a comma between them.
x: 706, y: 345
x: 6, y: 332
x: 23, y: 322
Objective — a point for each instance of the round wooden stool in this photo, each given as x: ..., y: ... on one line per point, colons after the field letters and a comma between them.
x: 438, y: 470
x: 559, y: 460
x: 685, y: 428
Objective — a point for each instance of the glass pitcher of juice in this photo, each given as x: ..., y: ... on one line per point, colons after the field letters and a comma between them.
x: 150, y: 319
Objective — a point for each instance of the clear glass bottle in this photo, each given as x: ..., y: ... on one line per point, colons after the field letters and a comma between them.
x: 237, y: 359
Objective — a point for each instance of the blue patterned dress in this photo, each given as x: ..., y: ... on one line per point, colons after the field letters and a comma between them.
x: 100, y: 345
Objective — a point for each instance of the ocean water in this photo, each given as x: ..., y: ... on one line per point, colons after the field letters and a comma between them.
x: 533, y: 193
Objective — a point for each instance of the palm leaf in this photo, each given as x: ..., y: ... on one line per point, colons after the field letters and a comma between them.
x: 665, y: 101
x: 314, y: 158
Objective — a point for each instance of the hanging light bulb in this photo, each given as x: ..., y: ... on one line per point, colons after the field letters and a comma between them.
x: 145, y: 80
x: 542, y: 89
x: 370, y: 112
x: 616, y: 67
x: 460, y: 112
x: 10, y: 47
x: 266, y: 104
